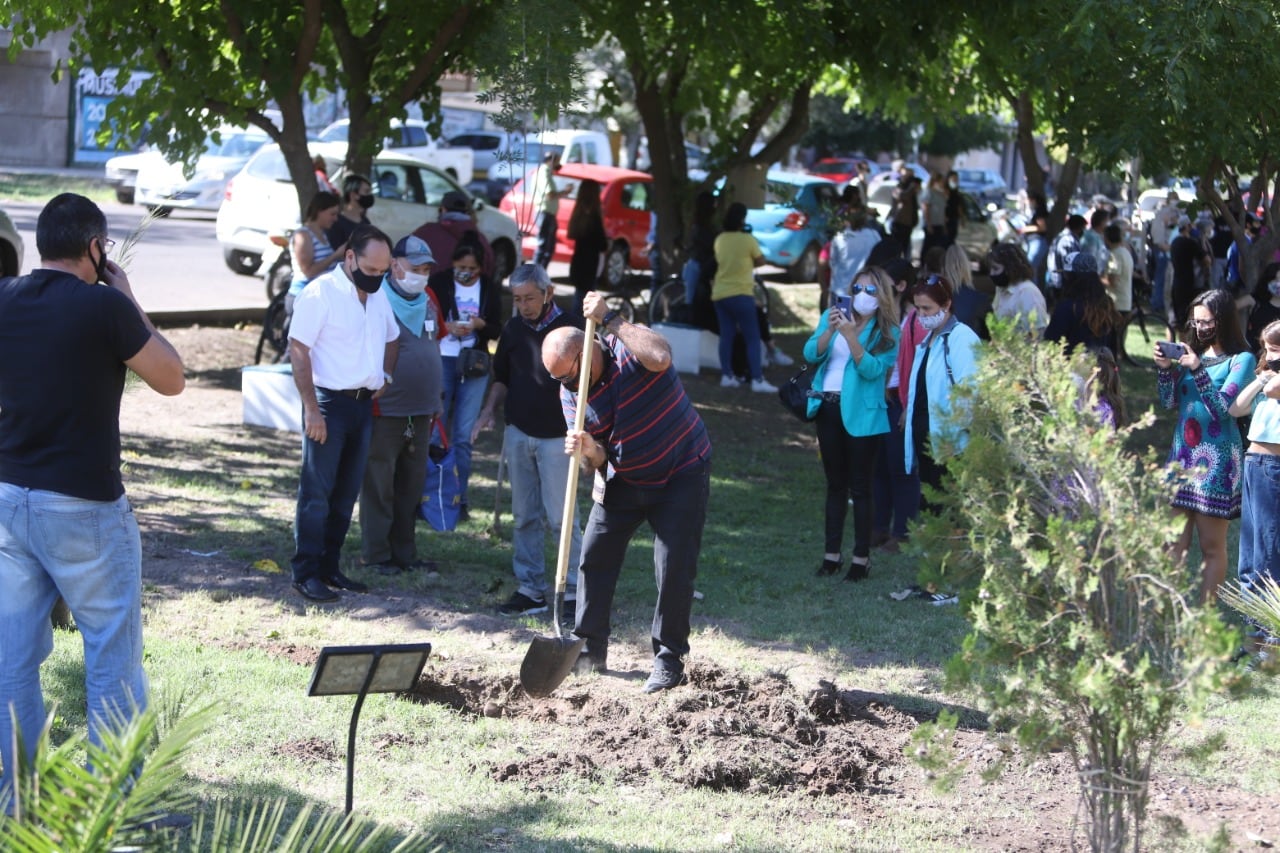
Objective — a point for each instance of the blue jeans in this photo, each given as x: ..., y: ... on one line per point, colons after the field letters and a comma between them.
x: 738, y: 314
x: 1038, y: 256
x: 330, y: 481
x: 539, y: 472
x: 1259, y: 524
x: 676, y: 513
x: 462, y: 401
x: 692, y: 274
x: 1159, y: 284
x: 90, y: 553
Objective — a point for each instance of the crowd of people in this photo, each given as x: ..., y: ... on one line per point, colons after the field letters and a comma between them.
x: 888, y: 418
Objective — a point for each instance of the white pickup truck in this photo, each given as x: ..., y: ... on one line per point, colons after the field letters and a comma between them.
x: 406, y: 137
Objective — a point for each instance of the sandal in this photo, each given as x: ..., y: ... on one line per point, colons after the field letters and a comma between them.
x: 858, y: 571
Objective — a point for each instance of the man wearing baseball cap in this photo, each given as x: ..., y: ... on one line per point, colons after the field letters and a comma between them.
x: 403, y: 418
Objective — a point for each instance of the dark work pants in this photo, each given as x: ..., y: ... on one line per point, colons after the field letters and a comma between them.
x: 848, y: 462
x: 331, y: 476
x: 392, y: 492
x: 546, y: 239
x: 676, y: 513
x: 897, y: 493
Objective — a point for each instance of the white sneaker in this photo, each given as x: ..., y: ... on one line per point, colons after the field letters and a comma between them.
x: 781, y: 359
x: 762, y: 386
x: 730, y: 382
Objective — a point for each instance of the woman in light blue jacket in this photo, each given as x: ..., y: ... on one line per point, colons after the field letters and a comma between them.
x: 934, y: 420
x: 854, y: 348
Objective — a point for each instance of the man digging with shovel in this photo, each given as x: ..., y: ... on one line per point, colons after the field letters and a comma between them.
x: 651, y: 456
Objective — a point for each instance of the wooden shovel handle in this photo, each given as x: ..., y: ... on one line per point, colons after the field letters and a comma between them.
x: 571, y: 489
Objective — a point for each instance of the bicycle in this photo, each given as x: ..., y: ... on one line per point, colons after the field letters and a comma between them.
x: 669, y: 303
x: 1141, y: 295
x: 275, y: 331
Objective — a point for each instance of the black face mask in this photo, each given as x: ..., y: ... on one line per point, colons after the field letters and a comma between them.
x: 100, y: 265
x: 365, y: 201
x: 364, y: 281
x: 1000, y: 279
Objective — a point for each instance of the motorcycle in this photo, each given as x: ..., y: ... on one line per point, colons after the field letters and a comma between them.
x: 280, y: 273
x: 274, y: 340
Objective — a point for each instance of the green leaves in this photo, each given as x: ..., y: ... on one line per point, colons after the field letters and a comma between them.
x: 1082, y: 631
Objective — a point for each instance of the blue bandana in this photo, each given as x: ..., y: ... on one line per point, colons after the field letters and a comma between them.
x: 411, y: 312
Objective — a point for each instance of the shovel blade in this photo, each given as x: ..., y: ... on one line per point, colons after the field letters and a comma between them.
x: 547, y: 664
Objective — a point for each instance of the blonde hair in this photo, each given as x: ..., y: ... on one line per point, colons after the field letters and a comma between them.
x: 886, y: 306
x: 955, y: 266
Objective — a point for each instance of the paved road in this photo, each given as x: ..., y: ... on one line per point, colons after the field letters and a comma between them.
x: 176, y: 267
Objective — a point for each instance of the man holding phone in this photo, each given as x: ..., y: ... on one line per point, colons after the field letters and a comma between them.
x: 69, y: 332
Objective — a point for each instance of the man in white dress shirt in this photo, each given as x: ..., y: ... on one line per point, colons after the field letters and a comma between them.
x: 343, y: 345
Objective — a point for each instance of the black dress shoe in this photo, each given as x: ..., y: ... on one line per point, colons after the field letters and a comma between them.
x: 858, y: 571
x: 340, y: 581
x: 314, y: 589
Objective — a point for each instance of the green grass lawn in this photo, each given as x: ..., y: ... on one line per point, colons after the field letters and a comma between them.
x: 429, y: 767
x: 16, y: 186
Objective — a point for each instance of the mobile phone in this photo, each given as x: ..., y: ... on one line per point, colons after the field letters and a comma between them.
x: 1170, y: 350
x: 845, y: 304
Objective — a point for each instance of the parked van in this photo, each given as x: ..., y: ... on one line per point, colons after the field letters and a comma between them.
x: 588, y: 147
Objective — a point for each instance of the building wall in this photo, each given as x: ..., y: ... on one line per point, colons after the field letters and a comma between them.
x: 33, y: 109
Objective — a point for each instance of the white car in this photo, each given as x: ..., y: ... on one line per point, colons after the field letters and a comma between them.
x: 1152, y: 200
x: 122, y: 172
x: 406, y: 137
x: 975, y: 235
x: 408, y: 191
x: 162, y: 186
x: 10, y: 247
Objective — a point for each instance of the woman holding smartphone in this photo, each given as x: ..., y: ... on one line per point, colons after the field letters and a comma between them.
x: 854, y: 348
x: 1260, y: 489
x: 470, y: 303
x: 1202, y: 383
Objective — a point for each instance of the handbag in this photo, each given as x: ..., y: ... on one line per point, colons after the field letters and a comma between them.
x: 473, y: 362
x: 442, y: 492
x: 794, y: 394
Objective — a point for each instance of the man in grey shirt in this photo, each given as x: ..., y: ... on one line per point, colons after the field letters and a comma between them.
x: 403, y: 418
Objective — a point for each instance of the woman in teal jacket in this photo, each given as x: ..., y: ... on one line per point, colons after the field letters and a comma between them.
x: 934, y: 419
x: 854, y: 348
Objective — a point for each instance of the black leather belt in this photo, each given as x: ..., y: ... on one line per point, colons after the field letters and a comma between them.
x: 353, y: 393
x: 826, y: 396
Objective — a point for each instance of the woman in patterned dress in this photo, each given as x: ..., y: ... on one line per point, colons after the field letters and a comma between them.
x: 1215, y: 364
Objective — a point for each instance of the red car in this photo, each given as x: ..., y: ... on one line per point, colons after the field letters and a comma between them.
x: 624, y: 201
x: 840, y: 169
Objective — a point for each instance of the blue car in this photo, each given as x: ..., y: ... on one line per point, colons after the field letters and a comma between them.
x: 792, y: 225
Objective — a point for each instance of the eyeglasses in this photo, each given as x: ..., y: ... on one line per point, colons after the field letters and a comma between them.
x: 1204, y: 324
x: 570, y: 379
x: 863, y: 288
x: 108, y: 244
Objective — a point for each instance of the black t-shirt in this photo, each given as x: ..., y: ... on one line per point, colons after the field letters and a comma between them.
x: 533, y: 397
x: 63, y: 344
x: 1184, y: 254
x: 342, y: 228
x: 1222, y: 238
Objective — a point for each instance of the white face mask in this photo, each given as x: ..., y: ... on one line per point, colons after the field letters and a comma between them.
x: 933, y: 321
x: 865, y: 303
x: 1274, y: 287
x: 412, y: 283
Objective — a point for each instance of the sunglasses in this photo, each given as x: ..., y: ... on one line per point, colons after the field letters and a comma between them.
x: 863, y: 288
x: 935, y: 280
x: 570, y: 379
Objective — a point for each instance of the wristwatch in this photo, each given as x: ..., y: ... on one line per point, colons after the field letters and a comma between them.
x: 608, y: 318
x: 387, y: 377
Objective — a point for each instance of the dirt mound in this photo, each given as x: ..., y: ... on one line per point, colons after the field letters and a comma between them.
x: 721, y: 731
